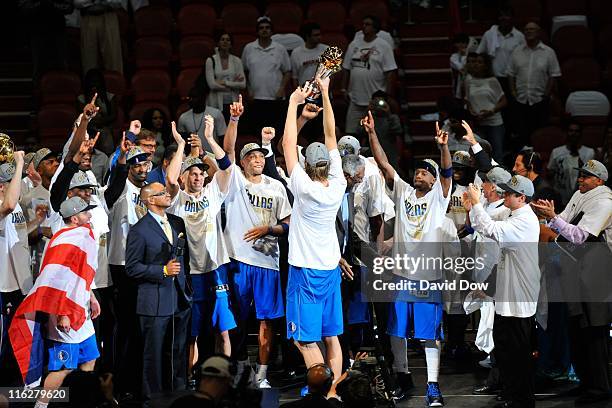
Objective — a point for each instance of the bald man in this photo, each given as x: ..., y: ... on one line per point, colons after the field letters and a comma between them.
x: 156, y: 263
x: 319, y: 378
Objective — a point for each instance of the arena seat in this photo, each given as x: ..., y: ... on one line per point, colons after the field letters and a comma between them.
x: 573, y: 41
x: 362, y: 8
x: 240, y: 18
x: 153, y: 21
x: 152, y: 52
x: 60, y: 87
x: 196, y: 19
x: 151, y: 85
x: 54, y: 123
x: 330, y: 15
x: 286, y: 16
x: 193, y: 51
x: 580, y: 74
x: 185, y: 81
x: 139, y: 109
x: 526, y: 11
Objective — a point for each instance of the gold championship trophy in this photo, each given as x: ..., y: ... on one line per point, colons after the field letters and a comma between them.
x: 7, y: 147
x: 330, y: 62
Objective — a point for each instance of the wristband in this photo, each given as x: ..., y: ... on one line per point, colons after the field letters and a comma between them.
x: 285, y: 228
x: 469, y: 229
x: 234, y: 118
x: 40, y: 233
x: 270, y: 230
x: 224, y: 162
x: 165, y: 271
x: 446, y: 173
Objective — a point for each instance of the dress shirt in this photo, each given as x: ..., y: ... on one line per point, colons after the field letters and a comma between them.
x: 531, y: 69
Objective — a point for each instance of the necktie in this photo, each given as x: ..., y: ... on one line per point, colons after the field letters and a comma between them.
x: 167, y: 230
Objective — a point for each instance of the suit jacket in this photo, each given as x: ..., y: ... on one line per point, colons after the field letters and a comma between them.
x: 148, y: 250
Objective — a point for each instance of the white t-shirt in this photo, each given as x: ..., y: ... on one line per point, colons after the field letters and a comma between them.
x: 500, y: 47
x: 564, y: 165
x: 195, y: 123
x: 15, y: 266
x: 368, y: 63
x: 36, y: 196
x: 483, y: 94
x: 417, y: 221
x: 207, y: 249
x: 304, y: 62
x: 382, y: 34
x: 313, y: 242
x: 125, y: 212
x: 249, y: 205
x: 266, y: 67
x: 597, y: 207
x: 457, y: 213
x: 73, y: 336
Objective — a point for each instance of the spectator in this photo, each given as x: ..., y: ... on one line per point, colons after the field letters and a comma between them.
x: 564, y: 160
x: 368, y: 67
x: 499, y: 42
x: 192, y: 121
x: 387, y: 124
x: 456, y: 131
x: 100, y: 35
x: 587, y: 103
x: 382, y: 34
x: 217, y: 375
x: 532, y: 73
x: 158, y: 174
x: 156, y: 121
x: 485, y: 99
x: 146, y: 141
x: 319, y: 380
x: 529, y: 164
x: 305, y: 59
x: 268, y: 69
x: 604, y: 153
x: 102, y: 122
x: 457, y: 62
x: 224, y: 75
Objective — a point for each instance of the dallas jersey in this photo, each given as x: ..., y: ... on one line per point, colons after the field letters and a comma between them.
x: 125, y: 212
x: 249, y: 205
x: 15, y: 272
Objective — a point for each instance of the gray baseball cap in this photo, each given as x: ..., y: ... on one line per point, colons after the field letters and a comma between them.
x: 252, y: 147
x: 136, y: 155
x: 80, y: 180
x: 40, y: 155
x: 73, y: 206
x: 518, y: 184
x: 348, y: 145
x: 7, y: 171
x: 316, y: 153
x: 461, y: 158
x: 498, y: 175
x: 192, y: 161
x: 27, y: 159
x: 594, y: 168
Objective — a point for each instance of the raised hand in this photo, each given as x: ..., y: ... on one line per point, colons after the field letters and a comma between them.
x: 135, y: 127
x: 546, y: 208
x: 19, y: 157
x: 469, y: 135
x: 311, y: 111
x: 237, y: 108
x: 124, y: 146
x: 368, y: 123
x: 196, y: 143
x: 177, y: 136
x: 465, y: 200
x: 323, y: 84
x: 301, y: 93
x: 209, y: 126
x: 267, y: 134
x: 33, y: 175
x: 90, y: 110
x: 441, y: 135
x: 473, y: 194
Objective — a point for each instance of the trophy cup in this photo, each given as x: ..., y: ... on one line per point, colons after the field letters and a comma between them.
x: 330, y: 62
x: 7, y: 147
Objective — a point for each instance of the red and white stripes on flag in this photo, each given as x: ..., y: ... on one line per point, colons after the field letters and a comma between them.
x: 63, y: 288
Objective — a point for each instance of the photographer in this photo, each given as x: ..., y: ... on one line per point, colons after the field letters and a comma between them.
x: 217, y: 375
x: 319, y: 379
x: 387, y: 124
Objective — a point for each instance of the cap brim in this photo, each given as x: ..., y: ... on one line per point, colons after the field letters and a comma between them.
x: 509, y: 189
x: 425, y: 166
x: 83, y: 186
x: 202, y: 166
x: 89, y: 207
x: 257, y: 149
x: 581, y: 170
x: 142, y: 157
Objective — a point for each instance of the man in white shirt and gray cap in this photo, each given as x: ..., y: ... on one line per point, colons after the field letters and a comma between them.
x: 518, y: 285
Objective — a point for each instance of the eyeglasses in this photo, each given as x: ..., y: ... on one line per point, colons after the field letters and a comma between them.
x: 160, y: 194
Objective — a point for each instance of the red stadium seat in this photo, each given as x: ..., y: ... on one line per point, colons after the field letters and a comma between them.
x: 593, y: 135
x: 330, y: 15
x: 153, y: 21
x: 152, y: 52
x: 185, y: 81
x: 196, y: 19
x: 566, y: 7
x: 151, y: 85
x: 124, y: 22
x: 54, y: 124
x: 193, y: 51
x: 605, y: 41
x: 60, y: 87
x: 240, y: 40
x: 580, y: 74
x: 139, y: 109
x: 362, y: 8
x: 547, y: 138
x: 286, y: 17
x: 337, y: 39
x: 115, y: 83
x: 240, y: 18
x: 526, y: 11
x: 573, y: 41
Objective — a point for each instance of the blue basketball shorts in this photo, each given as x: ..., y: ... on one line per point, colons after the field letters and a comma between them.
x: 69, y: 356
x: 211, y: 308
x: 257, y: 286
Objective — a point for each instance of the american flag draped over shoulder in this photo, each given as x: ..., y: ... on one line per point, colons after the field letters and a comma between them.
x: 62, y: 288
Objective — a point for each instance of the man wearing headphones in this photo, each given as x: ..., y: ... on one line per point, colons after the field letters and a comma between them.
x: 319, y: 379
x: 529, y: 164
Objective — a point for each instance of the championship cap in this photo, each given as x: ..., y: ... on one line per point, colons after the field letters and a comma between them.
x: 594, y: 168
x: 461, y: 158
x: 136, y: 155
x: 429, y: 165
x: 497, y: 175
x: 73, y: 206
x: 252, y: 147
x: 41, y: 155
x: 316, y: 153
x: 348, y: 145
x: 192, y: 161
x: 80, y: 180
x: 7, y: 171
x: 217, y: 366
x: 27, y: 159
x: 518, y: 184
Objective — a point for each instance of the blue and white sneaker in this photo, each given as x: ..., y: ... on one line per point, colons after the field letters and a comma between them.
x: 433, y: 396
x: 304, y: 391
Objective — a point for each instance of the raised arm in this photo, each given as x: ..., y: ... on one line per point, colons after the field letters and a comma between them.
x: 231, y: 133
x: 329, y: 121
x: 11, y: 196
x: 118, y: 176
x: 174, y: 168
x: 297, y: 98
x: 445, y: 160
x: 89, y: 111
x: 377, y: 150
x: 225, y: 167
x: 309, y: 112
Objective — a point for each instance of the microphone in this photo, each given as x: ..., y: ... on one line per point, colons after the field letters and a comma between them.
x: 180, y: 246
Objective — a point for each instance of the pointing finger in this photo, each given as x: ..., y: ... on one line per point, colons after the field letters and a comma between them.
x: 93, y: 99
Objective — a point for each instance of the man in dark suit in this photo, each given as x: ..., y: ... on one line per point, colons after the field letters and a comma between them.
x: 155, y: 260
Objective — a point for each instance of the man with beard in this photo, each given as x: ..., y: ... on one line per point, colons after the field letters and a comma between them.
x: 257, y: 210
x: 420, y: 212
x: 200, y: 206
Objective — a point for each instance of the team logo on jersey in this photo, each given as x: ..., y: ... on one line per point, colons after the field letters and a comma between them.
x: 261, y: 202
x: 197, y: 206
x: 292, y: 327
x: 18, y: 218
x: 63, y: 355
x: 415, y: 210
x: 456, y: 201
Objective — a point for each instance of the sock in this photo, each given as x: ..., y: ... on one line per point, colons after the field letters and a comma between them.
x: 261, y: 372
x: 400, y: 354
x: 41, y: 404
x: 432, y: 357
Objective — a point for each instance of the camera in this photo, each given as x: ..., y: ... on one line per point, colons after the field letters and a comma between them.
x: 376, y: 372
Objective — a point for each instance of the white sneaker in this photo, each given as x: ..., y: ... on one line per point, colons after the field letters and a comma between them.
x: 263, y: 383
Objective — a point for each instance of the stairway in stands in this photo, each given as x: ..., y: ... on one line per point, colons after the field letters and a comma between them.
x: 424, y: 54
